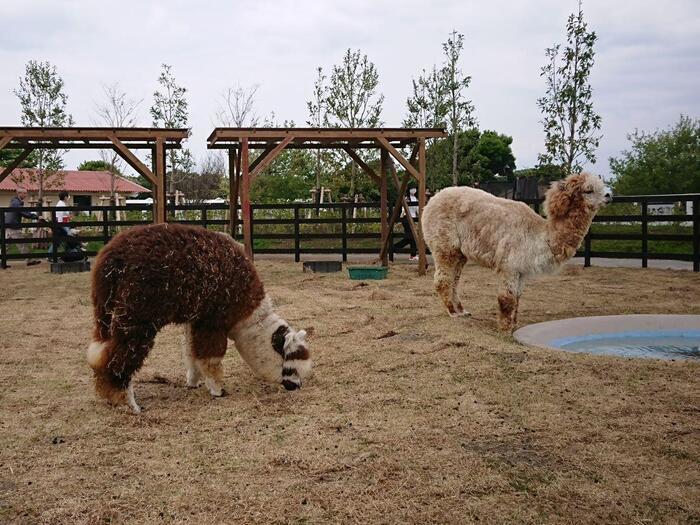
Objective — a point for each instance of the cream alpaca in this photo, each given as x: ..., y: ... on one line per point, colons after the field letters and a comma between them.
x: 465, y: 224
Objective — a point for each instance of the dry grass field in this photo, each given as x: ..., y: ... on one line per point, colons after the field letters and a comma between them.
x: 411, y: 416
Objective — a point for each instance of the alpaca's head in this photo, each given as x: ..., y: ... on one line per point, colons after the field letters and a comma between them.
x: 582, y: 192
x: 296, y: 359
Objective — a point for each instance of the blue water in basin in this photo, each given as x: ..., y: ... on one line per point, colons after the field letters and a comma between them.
x: 653, y: 344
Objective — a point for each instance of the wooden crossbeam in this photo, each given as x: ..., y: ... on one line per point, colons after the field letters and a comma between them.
x: 7, y: 170
x: 260, y: 157
x: 369, y: 171
x: 270, y: 157
x: 397, y: 155
x: 5, y: 141
x: 414, y: 153
x: 132, y: 159
x: 397, y: 207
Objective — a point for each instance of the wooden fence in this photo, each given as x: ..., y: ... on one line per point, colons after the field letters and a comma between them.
x: 354, y: 228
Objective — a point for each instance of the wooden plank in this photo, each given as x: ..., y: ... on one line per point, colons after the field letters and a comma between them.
x: 422, y: 181
x: 361, y: 163
x: 383, y: 206
x: 83, y: 134
x: 234, y: 184
x: 260, y: 157
x: 10, y: 167
x: 264, y: 163
x: 132, y: 160
x: 397, y: 155
x: 158, y: 181
x: 400, y: 202
x: 4, y: 141
x: 415, y: 231
x: 245, y: 200
x: 222, y: 134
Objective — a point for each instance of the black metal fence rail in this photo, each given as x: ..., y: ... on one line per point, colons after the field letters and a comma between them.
x: 334, y: 227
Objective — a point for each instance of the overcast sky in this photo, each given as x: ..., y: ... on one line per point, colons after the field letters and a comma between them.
x: 647, y: 69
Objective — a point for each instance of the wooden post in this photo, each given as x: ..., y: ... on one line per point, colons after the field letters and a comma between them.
x: 645, y: 233
x: 696, y: 234
x: 233, y: 184
x: 245, y: 199
x: 159, y: 187
x: 383, y: 206
x: 422, y: 258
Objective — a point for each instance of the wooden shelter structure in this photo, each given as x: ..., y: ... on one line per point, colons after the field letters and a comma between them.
x: 121, y: 140
x: 272, y: 141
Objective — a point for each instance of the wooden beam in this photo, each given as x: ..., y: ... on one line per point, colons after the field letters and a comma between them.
x: 10, y: 167
x: 245, y: 200
x: 369, y: 171
x: 414, y: 153
x: 4, y: 141
x: 422, y: 181
x: 132, y: 159
x: 397, y: 155
x: 234, y: 183
x: 270, y: 157
x: 384, y: 206
x: 260, y: 157
x: 160, y: 215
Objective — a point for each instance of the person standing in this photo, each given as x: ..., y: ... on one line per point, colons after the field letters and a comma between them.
x: 13, y: 223
x: 412, y: 201
x: 62, y: 216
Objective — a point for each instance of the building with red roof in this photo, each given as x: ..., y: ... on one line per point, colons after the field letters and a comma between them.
x: 84, y: 187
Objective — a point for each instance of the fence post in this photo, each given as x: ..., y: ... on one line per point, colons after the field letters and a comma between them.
x: 696, y: 234
x: 250, y: 228
x: 297, y: 240
x: 105, y: 228
x: 645, y: 233
x: 54, y: 238
x: 344, y: 231
x: 3, y: 246
x: 204, y: 218
x: 587, y: 250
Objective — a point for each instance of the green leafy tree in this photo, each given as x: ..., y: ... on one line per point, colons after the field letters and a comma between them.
x: 318, y: 118
x: 428, y: 106
x: 460, y: 110
x: 44, y: 104
x: 570, y: 123
x: 353, y: 100
x: 206, y: 182
x: 288, y: 178
x: 170, y: 109
x: 99, y: 165
x: 666, y: 161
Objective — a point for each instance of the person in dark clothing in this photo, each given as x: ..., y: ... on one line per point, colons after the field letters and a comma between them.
x: 13, y: 223
x: 412, y: 202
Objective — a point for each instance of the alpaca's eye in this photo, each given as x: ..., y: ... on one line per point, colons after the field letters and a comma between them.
x: 588, y: 191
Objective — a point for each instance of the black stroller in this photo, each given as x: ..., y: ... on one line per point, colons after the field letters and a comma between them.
x: 67, y: 241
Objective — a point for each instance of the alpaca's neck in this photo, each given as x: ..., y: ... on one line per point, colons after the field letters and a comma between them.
x: 564, y: 234
x: 253, y: 338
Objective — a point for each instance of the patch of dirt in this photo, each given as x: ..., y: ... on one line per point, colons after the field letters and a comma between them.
x: 441, y: 420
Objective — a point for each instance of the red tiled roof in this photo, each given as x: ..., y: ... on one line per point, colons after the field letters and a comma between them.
x: 73, y: 182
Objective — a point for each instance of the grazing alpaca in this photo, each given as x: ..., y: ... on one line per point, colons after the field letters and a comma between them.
x: 465, y: 224
x: 148, y: 277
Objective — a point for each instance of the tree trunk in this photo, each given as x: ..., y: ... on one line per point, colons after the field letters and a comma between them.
x: 455, y: 180
x: 352, y: 180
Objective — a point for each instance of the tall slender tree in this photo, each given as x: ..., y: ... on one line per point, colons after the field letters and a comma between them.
x: 353, y: 100
x: 460, y: 112
x: 44, y: 104
x: 428, y: 106
x: 171, y: 110
x: 570, y: 123
x: 318, y: 118
x: 236, y: 107
x: 117, y: 110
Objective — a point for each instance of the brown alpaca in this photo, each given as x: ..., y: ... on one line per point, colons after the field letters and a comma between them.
x: 151, y: 276
x: 465, y: 224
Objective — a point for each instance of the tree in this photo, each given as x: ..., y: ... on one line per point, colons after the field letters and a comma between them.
x: 318, y: 118
x: 428, y: 106
x: 459, y: 109
x: 482, y: 157
x: 99, y: 165
x: 44, y: 104
x: 170, y: 110
x: 117, y: 111
x: 352, y: 99
x: 236, y: 108
x: 570, y: 122
x: 665, y: 161
x: 206, y: 182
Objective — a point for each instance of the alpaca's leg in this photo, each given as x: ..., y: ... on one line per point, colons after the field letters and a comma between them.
x: 207, y: 349
x: 448, y: 267
x: 116, y: 360
x: 193, y: 375
x: 508, y: 301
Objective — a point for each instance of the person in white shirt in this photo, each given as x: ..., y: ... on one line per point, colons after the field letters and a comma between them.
x: 412, y: 201
x: 62, y: 216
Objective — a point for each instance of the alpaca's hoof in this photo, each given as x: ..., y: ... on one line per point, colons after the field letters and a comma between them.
x: 460, y: 313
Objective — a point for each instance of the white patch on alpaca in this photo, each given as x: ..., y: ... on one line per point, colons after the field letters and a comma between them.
x: 193, y: 375
x: 253, y: 338
x: 95, y: 354
x: 131, y: 400
x: 293, y: 341
x: 208, y: 367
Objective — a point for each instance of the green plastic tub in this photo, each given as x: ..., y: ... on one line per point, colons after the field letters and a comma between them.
x: 367, y: 272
